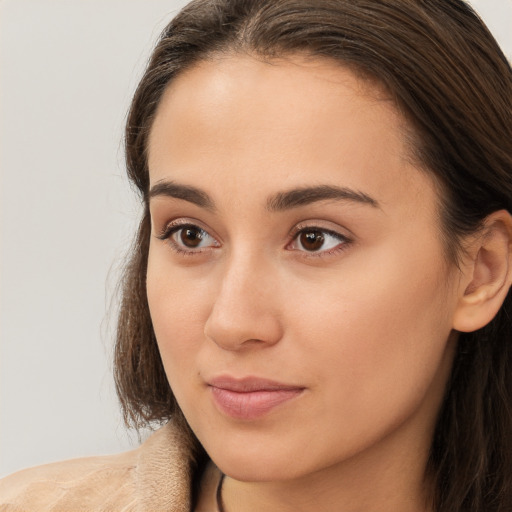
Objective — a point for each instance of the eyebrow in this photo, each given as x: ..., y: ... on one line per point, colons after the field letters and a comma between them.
x: 308, y: 195
x: 185, y: 192
x: 281, y: 201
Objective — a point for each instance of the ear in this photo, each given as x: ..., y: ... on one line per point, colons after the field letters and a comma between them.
x: 487, y: 274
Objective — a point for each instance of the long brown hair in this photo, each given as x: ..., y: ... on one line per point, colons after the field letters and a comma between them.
x: 449, y: 78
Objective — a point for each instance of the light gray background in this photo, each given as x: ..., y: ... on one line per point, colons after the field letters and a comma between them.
x: 68, y: 69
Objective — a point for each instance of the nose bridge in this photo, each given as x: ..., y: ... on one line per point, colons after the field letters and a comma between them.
x: 244, y: 309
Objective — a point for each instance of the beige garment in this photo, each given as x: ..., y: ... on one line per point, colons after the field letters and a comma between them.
x: 156, y: 477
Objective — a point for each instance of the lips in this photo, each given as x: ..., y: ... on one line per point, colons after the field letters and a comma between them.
x: 250, y: 398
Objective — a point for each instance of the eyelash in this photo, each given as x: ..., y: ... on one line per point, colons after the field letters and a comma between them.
x: 176, y: 227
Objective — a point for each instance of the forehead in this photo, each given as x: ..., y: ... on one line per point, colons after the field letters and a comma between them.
x: 268, y: 125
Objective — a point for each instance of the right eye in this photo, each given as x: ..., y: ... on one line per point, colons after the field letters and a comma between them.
x: 188, y: 238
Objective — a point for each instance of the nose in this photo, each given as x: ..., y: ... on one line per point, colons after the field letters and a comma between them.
x: 246, y: 310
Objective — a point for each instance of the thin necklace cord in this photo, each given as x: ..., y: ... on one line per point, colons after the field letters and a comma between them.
x: 220, y: 505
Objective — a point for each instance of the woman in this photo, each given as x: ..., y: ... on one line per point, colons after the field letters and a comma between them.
x: 317, y: 303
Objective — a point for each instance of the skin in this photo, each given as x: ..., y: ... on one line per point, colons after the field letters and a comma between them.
x: 362, y: 325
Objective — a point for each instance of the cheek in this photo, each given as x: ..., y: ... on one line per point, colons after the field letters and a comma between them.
x: 179, y: 306
x: 377, y: 335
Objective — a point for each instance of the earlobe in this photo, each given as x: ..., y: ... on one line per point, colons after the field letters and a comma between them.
x: 487, y: 275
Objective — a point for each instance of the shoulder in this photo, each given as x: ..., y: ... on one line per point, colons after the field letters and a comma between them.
x: 71, y: 485
x: 155, y: 476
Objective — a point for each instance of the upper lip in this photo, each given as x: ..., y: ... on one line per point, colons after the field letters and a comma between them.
x: 249, y: 384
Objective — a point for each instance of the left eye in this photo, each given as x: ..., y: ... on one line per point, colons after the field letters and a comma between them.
x: 316, y: 240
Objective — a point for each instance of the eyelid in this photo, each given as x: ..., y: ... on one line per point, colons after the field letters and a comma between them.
x: 181, y: 222
x: 320, y: 225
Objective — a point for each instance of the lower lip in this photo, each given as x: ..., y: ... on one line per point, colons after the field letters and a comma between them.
x: 251, y: 405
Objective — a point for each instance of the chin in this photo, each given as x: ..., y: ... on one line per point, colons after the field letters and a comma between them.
x: 257, y: 471
x: 257, y: 462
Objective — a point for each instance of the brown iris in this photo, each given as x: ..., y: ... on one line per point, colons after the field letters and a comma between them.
x: 312, y: 240
x: 191, y: 237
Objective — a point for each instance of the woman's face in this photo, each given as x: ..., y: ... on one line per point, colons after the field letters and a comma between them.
x: 297, y: 282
